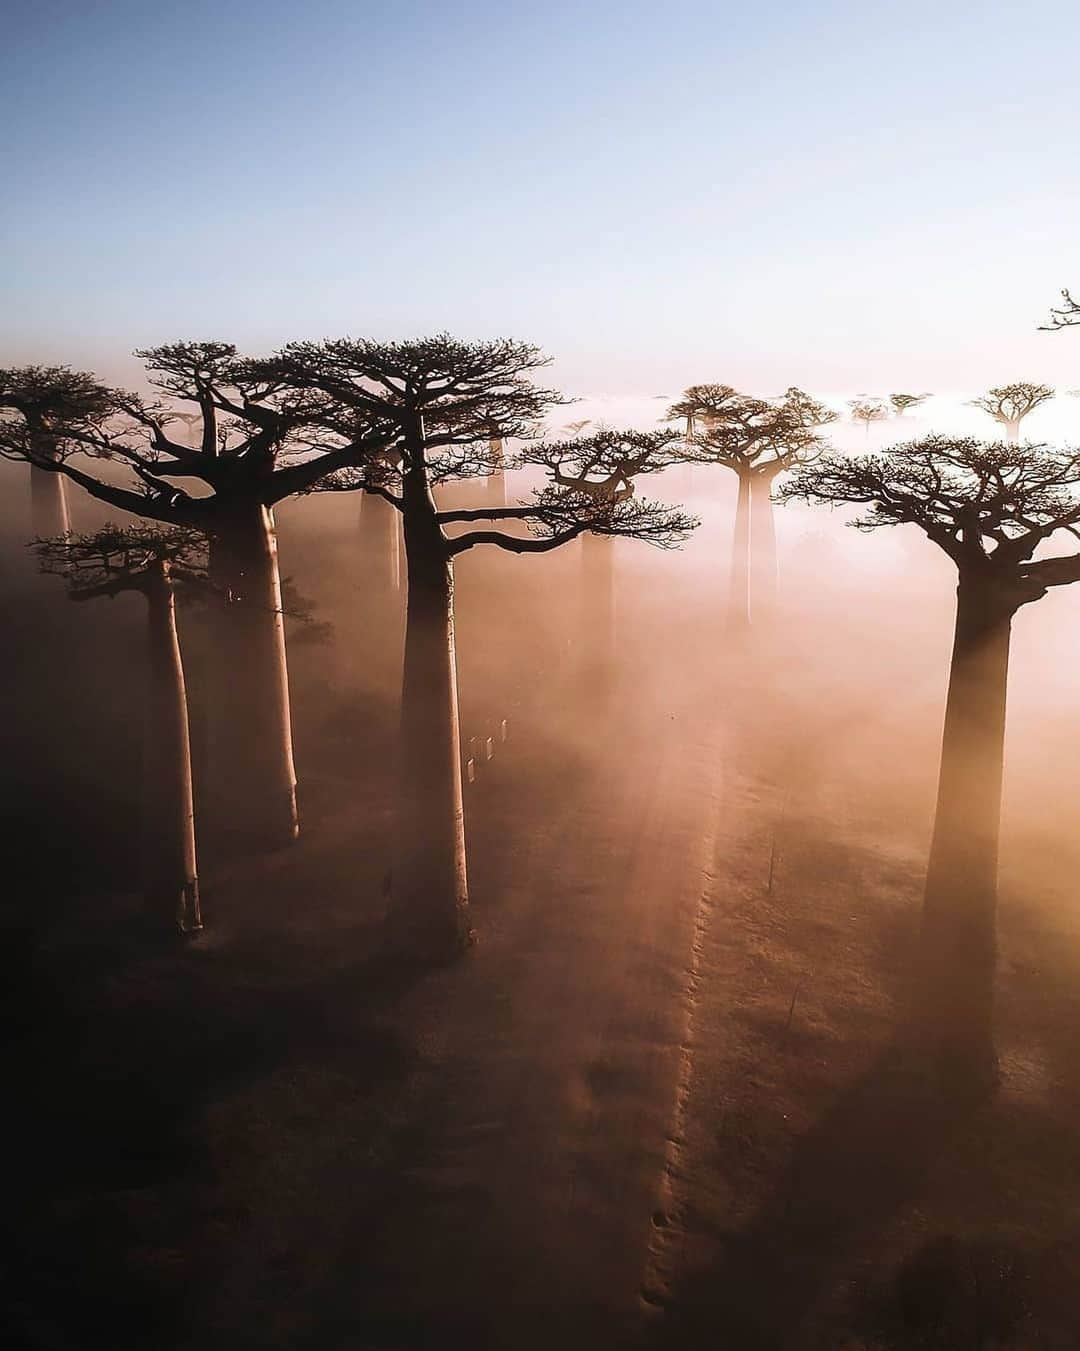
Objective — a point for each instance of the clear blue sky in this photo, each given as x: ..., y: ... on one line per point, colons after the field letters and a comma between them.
x: 848, y: 196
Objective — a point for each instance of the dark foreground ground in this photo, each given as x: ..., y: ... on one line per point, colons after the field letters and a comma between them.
x: 654, y: 1107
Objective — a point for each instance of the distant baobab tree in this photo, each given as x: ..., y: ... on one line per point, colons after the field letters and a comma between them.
x: 988, y: 507
x: 259, y: 445
x: 150, y: 560
x: 1010, y: 404
x: 696, y: 405
x: 867, y: 411
x: 36, y: 402
x: 1066, y: 315
x: 904, y: 403
x: 444, y: 397
x: 604, y: 467
x: 757, y: 439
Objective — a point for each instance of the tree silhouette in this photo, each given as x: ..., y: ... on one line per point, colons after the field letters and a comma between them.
x: 867, y: 411
x: 604, y: 467
x: 150, y: 560
x: 260, y: 443
x: 1066, y: 315
x: 444, y: 397
x: 988, y: 507
x: 36, y: 402
x: 1010, y: 404
x: 903, y: 403
x: 757, y: 439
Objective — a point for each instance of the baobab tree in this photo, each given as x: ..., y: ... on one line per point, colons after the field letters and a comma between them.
x: 757, y: 439
x: 150, y: 560
x: 698, y: 406
x: 904, y: 403
x: 603, y: 467
x: 1066, y: 315
x: 36, y: 402
x: 867, y: 411
x: 259, y: 444
x: 988, y: 507
x: 444, y: 398
x: 1010, y: 404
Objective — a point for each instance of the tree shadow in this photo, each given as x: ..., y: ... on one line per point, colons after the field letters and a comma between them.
x: 854, y: 1170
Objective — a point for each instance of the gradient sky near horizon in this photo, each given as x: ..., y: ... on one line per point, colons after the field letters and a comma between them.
x: 845, y: 196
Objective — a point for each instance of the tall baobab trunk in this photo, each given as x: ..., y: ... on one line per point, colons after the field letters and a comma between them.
x: 597, y: 613
x: 762, y: 548
x: 959, y: 917
x: 380, y: 532
x: 48, y: 504
x: 251, y: 730
x: 429, y: 907
x: 496, y: 480
x: 1012, y: 431
x: 739, y: 581
x: 170, y: 875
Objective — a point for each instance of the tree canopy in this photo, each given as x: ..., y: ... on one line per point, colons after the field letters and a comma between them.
x: 753, y: 435
x: 988, y: 505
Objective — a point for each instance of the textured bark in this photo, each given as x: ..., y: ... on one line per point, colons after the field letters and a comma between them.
x: 170, y: 874
x: 597, y: 613
x: 429, y: 907
x: 762, y: 549
x: 48, y: 504
x: 739, y: 581
x: 251, y: 754
x: 959, y: 917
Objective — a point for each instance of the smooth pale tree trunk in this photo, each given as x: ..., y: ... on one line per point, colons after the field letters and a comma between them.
x: 599, y: 661
x: 251, y: 748
x: 429, y: 907
x: 1012, y: 432
x: 958, y: 943
x: 170, y: 874
x: 496, y: 480
x: 48, y: 504
x: 380, y: 532
x: 762, y: 549
x: 739, y: 581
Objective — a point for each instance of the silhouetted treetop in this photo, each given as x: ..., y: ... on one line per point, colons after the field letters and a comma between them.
x: 1008, y: 404
x: 903, y: 402
x: 752, y: 435
x: 867, y: 410
x: 605, y: 464
x: 987, y: 505
x: 38, y: 404
x: 115, y: 559
x: 590, y: 489
x: 260, y: 438
x: 445, y: 399
x: 1066, y: 315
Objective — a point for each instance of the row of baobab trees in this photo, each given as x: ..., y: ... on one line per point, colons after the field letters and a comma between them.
x: 397, y: 421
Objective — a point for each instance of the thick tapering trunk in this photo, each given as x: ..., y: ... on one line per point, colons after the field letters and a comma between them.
x: 597, y: 639
x: 48, y: 504
x: 762, y: 549
x: 958, y: 943
x: 251, y: 753
x: 738, y: 616
x: 429, y: 907
x: 380, y: 534
x: 170, y: 874
x: 1012, y: 431
x: 496, y: 480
